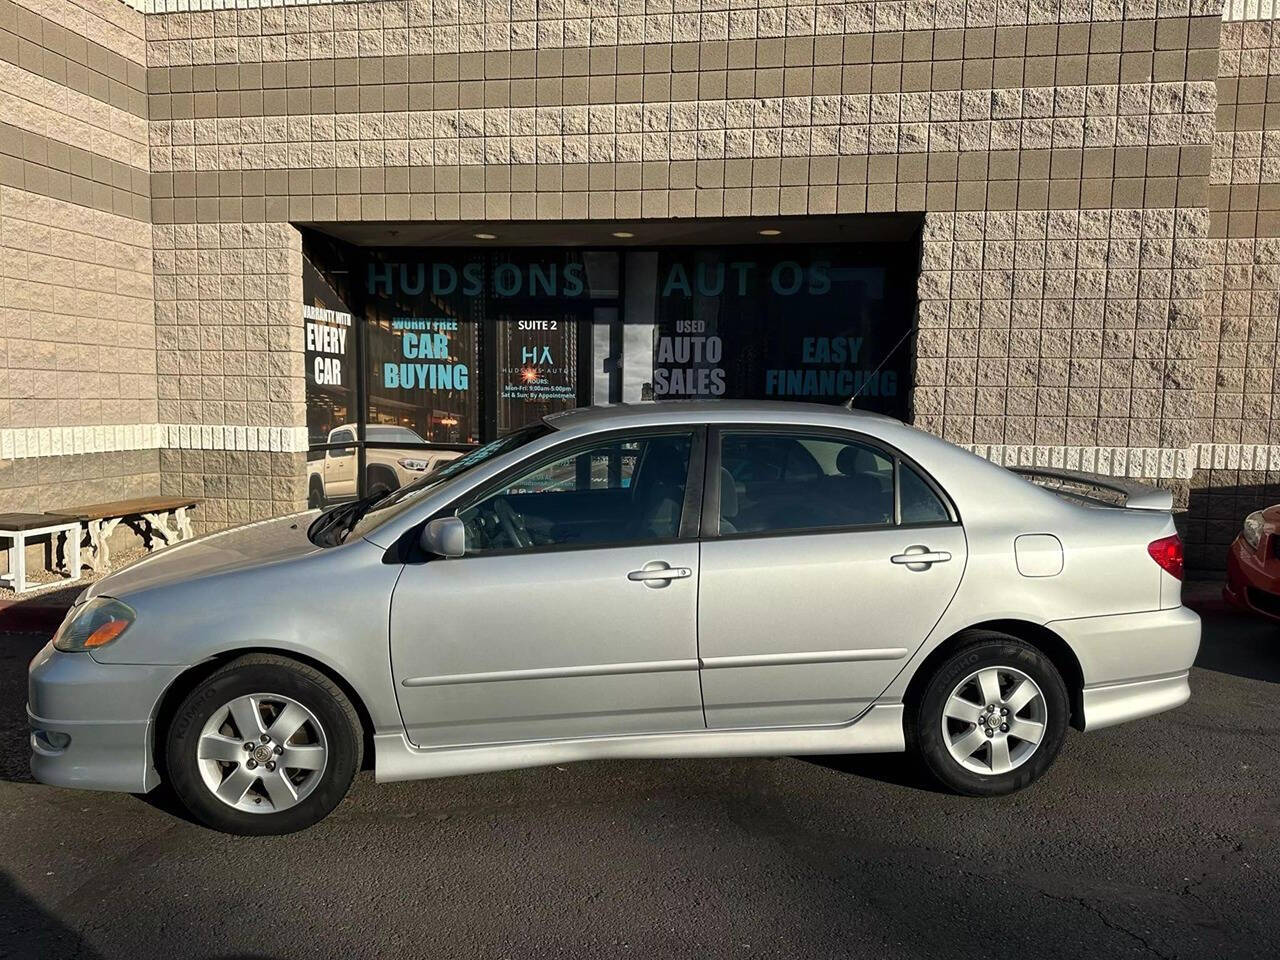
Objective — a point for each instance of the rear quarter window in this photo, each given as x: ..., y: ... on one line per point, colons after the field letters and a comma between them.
x: 917, y: 501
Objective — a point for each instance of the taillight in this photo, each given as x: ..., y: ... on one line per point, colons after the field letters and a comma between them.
x: 1167, y: 551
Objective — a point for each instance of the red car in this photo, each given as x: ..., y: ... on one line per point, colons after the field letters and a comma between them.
x: 1253, y: 564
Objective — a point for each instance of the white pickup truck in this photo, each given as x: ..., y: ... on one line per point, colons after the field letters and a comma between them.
x: 333, y: 477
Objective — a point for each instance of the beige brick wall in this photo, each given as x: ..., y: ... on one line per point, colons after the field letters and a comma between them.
x: 230, y: 339
x: 1060, y: 328
x: 1237, y: 391
x: 77, y: 316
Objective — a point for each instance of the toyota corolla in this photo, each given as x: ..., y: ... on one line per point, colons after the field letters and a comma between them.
x: 704, y: 579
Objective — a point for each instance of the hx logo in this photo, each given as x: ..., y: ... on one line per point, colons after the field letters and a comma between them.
x: 535, y: 354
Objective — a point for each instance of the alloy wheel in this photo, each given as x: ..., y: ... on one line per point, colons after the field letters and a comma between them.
x: 993, y: 720
x: 262, y: 753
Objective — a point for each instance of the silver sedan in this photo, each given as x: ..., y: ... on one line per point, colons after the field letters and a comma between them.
x: 663, y: 580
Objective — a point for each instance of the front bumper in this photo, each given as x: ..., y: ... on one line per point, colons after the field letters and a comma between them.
x: 91, y: 723
x: 1252, y: 583
x: 1133, y: 664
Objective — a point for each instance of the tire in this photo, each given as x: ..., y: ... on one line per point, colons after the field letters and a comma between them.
x: 987, y: 770
x: 315, y: 496
x: 327, y: 743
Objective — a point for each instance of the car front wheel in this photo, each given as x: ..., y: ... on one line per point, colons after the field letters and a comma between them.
x: 992, y: 717
x: 264, y: 745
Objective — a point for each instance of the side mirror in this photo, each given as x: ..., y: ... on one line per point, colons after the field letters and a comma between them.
x: 444, y: 537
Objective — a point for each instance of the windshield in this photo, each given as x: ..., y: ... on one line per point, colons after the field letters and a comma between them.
x: 451, y: 468
x: 332, y: 526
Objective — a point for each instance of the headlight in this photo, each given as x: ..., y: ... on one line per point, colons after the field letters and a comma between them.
x: 93, y: 625
x: 409, y: 463
x: 1252, y: 531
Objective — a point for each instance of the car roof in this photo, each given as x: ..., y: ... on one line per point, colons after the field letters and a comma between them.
x: 609, y: 416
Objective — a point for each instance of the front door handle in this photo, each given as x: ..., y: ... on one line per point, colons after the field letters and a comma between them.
x: 658, y: 573
x: 920, y: 557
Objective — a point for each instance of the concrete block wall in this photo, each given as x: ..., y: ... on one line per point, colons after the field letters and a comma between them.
x: 77, y: 325
x: 1237, y: 390
x: 230, y: 364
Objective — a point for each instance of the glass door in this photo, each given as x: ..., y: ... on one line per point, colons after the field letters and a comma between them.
x: 538, y: 363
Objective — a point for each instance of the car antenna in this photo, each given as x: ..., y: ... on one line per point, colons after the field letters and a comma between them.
x: 848, y: 404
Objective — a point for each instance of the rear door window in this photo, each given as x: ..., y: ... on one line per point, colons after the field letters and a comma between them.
x: 771, y: 482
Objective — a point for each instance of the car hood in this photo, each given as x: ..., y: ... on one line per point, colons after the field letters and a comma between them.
x: 253, y: 545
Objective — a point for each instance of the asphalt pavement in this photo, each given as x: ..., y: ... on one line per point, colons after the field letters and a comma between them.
x: 1155, y: 839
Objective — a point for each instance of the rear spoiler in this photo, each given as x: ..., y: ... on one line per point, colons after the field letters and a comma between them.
x: 1097, y: 490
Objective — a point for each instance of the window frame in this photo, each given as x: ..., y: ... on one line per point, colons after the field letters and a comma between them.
x: 710, y: 528
x: 690, y: 515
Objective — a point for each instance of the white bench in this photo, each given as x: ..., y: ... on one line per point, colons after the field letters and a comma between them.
x: 18, y: 528
x: 159, y: 520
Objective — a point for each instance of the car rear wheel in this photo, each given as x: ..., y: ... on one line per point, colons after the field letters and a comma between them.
x: 992, y: 717
x: 264, y: 745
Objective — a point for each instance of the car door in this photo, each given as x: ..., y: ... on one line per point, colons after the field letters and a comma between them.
x: 809, y: 600
x: 340, y: 467
x: 573, y: 612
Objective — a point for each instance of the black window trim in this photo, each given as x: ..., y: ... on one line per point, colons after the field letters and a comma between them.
x: 710, y: 529
x: 690, y: 516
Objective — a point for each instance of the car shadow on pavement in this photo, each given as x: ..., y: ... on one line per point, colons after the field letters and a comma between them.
x: 897, y: 769
x: 163, y: 800
x: 1240, y: 644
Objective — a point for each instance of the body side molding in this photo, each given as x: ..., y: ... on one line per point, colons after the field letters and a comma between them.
x: 659, y: 666
x: 876, y: 730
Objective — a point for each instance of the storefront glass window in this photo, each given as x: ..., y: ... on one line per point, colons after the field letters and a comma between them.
x: 787, y: 323
x: 437, y: 350
x: 330, y: 349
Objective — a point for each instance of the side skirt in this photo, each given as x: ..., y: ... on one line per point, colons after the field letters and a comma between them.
x: 878, y: 730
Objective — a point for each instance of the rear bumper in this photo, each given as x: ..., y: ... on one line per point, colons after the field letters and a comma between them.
x: 91, y: 723
x: 1110, y: 704
x: 1134, y: 664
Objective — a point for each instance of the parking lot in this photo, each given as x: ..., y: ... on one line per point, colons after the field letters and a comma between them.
x: 1153, y: 839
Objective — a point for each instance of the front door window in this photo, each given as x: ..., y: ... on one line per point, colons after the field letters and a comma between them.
x: 621, y: 491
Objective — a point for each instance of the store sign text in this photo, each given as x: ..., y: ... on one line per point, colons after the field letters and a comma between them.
x: 688, y: 365
x: 326, y: 337
x: 786, y: 279
x: 819, y: 351
x: 422, y: 339
x: 508, y: 279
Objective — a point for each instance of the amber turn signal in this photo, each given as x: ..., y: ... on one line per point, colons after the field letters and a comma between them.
x: 106, y: 633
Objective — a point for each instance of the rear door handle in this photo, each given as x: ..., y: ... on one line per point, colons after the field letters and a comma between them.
x: 920, y: 557
x: 659, y: 574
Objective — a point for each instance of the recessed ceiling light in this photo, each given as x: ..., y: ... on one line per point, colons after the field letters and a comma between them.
x: 486, y: 236
x: 769, y: 232
x: 623, y: 234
